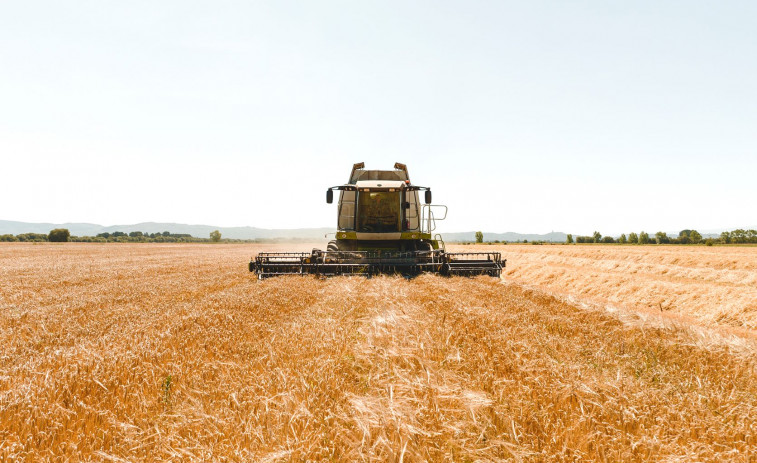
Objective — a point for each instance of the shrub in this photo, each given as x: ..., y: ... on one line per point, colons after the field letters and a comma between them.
x: 32, y: 237
x: 59, y: 235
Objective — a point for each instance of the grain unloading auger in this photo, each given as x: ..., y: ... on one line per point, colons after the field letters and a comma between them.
x: 382, y: 228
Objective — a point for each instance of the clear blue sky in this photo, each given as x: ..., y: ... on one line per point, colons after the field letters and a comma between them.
x: 522, y: 116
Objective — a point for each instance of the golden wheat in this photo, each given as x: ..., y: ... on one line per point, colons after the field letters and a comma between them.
x: 713, y: 285
x: 174, y: 352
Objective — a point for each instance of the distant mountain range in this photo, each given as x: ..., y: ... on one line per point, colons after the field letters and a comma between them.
x: 199, y: 231
x: 243, y: 233
x: 252, y: 233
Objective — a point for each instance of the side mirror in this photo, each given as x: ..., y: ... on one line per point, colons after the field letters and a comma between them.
x: 329, y: 196
x: 428, y: 196
x: 406, y: 205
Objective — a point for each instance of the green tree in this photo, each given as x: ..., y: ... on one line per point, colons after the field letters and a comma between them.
x: 479, y: 237
x: 597, y: 237
x: 622, y: 239
x: 569, y: 239
x: 643, y: 238
x: 695, y: 237
x: 751, y: 236
x: 661, y: 238
x: 725, y: 237
x: 215, y: 236
x: 59, y: 235
x: 738, y: 236
x: 633, y: 238
x: 683, y: 237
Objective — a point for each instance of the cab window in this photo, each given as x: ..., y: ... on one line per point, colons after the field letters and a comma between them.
x: 378, y: 211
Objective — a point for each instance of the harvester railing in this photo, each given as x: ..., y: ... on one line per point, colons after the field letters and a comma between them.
x: 429, y: 217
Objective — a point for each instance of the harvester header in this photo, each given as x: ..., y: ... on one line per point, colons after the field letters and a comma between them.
x: 382, y: 228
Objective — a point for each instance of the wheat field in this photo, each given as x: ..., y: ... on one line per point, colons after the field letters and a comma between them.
x: 711, y: 285
x: 176, y: 353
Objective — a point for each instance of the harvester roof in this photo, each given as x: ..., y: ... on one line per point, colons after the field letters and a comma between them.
x: 360, y: 173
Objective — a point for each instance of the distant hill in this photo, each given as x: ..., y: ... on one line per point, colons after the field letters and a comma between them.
x: 252, y: 233
x: 242, y: 233
x: 199, y: 231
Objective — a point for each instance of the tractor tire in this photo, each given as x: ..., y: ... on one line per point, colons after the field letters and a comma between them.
x: 332, y: 246
x: 423, y: 246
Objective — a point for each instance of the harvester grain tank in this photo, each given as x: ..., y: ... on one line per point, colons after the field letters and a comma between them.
x: 382, y: 228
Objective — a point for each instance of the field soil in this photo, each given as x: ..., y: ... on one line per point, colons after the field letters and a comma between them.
x: 713, y: 285
x: 147, y: 352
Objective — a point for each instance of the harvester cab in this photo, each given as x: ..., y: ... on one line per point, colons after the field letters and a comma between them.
x: 380, y: 210
x: 382, y: 228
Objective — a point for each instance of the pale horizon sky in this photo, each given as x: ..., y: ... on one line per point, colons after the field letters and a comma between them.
x: 521, y: 116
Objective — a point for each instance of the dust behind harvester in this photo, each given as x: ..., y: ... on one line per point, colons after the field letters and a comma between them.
x: 382, y: 228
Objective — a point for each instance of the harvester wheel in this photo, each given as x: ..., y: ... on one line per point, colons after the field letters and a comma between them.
x: 423, y: 246
x: 332, y: 246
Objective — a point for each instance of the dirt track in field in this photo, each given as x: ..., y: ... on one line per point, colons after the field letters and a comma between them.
x: 173, y: 352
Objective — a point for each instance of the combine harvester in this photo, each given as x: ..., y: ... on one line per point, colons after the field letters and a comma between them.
x: 382, y: 229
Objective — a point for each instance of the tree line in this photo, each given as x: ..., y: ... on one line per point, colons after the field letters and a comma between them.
x: 60, y: 235
x: 738, y: 236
